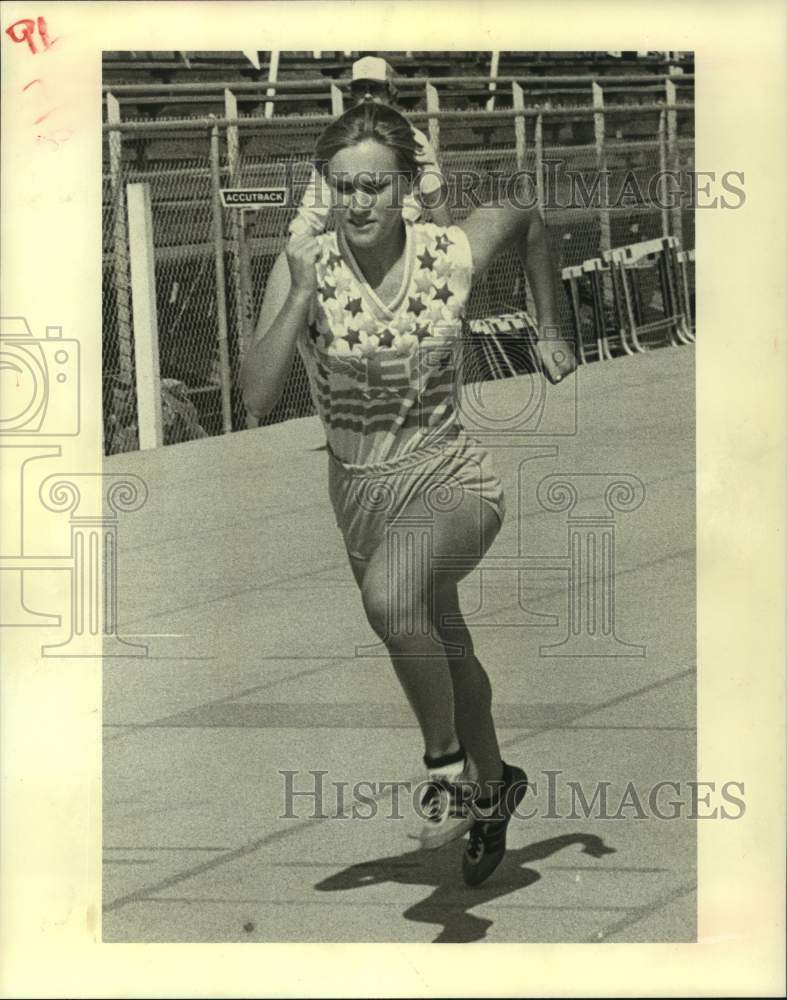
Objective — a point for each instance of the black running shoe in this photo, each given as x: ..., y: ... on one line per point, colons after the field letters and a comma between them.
x: 487, y: 843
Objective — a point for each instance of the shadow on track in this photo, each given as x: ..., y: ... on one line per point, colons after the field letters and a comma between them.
x: 452, y: 900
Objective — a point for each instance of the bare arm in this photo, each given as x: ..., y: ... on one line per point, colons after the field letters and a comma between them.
x: 436, y: 200
x: 491, y: 229
x: 283, y: 315
x: 433, y: 191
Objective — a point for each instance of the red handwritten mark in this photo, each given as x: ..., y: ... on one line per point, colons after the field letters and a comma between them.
x: 55, y: 141
x: 26, y: 31
x: 48, y: 113
x: 43, y: 34
x: 26, y: 35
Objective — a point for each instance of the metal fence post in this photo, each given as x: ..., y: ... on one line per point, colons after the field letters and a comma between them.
x: 337, y: 101
x: 672, y: 150
x: 433, y: 104
x: 599, y: 129
x: 539, y: 149
x: 221, y: 287
x: 663, y: 170
x: 120, y: 245
x: 240, y: 258
x: 143, y: 291
x: 273, y: 73
x: 493, y: 68
x: 518, y: 103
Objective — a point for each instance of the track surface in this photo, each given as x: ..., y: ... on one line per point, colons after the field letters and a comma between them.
x: 235, y: 576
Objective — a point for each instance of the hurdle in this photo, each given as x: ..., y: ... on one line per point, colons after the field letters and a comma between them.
x: 571, y: 277
x: 499, y: 346
x: 623, y: 267
x: 686, y: 265
x: 585, y: 283
x: 627, y: 265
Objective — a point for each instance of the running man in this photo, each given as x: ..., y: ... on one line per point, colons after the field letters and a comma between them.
x: 375, y: 310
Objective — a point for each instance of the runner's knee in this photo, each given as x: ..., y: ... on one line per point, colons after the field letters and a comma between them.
x: 391, y: 605
x: 375, y: 604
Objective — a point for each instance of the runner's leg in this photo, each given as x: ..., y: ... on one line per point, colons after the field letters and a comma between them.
x: 472, y: 691
x: 392, y: 596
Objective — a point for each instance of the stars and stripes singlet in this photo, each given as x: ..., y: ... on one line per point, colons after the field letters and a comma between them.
x: 382, y: 376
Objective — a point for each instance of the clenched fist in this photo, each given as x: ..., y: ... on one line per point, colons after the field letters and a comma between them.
x: 303, y: 252
x: 555, y: 354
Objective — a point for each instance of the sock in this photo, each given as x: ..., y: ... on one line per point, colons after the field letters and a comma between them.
x: 450, y: 766
x: 490, y: 801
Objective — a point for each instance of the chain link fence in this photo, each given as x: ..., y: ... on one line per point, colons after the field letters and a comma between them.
x: 273, y: 154
x: 118, y: 371
x: 628, y: 144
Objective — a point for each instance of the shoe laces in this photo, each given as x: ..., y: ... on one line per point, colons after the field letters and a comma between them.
x: 475, y: 845
x: 441, y: 797
x: 432, y: 801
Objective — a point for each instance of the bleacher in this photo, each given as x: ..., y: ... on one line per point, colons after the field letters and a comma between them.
x: 178, y: 84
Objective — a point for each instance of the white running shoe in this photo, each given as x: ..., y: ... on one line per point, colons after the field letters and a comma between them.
x: 445, y: 808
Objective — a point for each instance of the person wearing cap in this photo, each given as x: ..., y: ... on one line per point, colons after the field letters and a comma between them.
x: 372, y: 80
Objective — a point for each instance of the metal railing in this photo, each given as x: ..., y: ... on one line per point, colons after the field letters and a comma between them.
x: 212, y: 263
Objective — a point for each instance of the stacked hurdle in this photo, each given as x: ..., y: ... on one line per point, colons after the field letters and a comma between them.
x: 585, y: 284
x: 686, y: 263
x: 630, y: 329
x: 499, y: 346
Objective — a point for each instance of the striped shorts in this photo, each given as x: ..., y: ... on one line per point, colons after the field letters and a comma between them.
x: 367, y: 499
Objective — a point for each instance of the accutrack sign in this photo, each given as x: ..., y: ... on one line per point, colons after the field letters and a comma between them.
x: 253, y: 197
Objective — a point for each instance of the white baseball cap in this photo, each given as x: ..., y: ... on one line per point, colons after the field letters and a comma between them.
x: 372, y: 68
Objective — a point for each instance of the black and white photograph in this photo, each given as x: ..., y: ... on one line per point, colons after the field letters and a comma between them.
x: 410, y: 605
x: 392, y: 444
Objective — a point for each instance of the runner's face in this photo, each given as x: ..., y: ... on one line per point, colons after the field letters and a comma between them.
x: 370, y: 90
x: 367, y: 187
